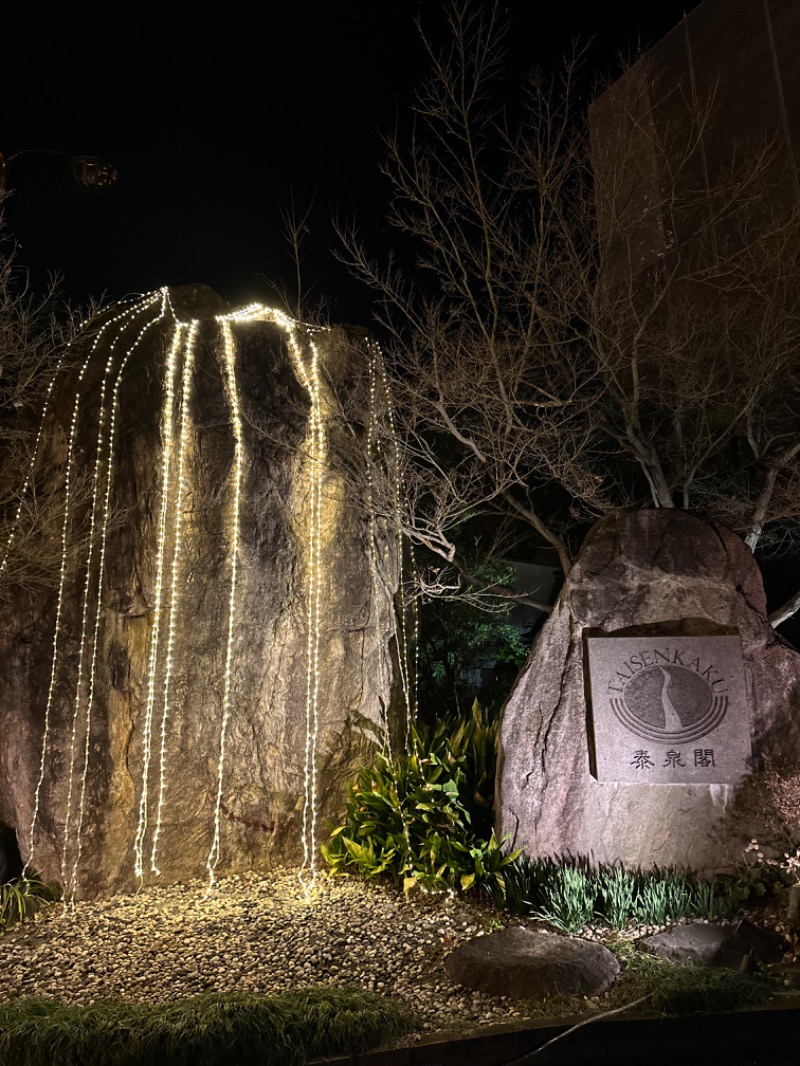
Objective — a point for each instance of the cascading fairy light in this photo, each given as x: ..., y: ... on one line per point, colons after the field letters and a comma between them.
x: 105, y: 512
x: 309, y: 377
x: 403, y: 659
x: 229, y: 359
x: 372, y: 535
x: 174, y: 594
x: 115, y: 320
x: 306, y: 360
x: 99, y: 462
x: 37, y: 443
x: 167, y: 435
x: 29, y: 475
x: 310, y: 380
x: 308, y: 874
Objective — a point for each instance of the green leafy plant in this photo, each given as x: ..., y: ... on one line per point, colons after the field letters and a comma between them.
x: 23, y: 897
x: 458, y: 638
x: 763, y: 877
x: 617, y: 895
x: 207, y: 1030
x: 420, y: 817
x: 571, y: 899
x: 569, y: 893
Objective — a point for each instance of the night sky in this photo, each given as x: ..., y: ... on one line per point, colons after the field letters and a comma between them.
x: 215, y: 123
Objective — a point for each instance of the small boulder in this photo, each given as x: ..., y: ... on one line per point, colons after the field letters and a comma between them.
x: 715, y: 945
x: 528, y: 964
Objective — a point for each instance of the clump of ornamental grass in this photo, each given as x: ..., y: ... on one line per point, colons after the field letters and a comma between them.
x: 206, y: 1030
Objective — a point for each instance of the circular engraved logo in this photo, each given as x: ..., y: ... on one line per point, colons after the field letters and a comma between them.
x: 669, y: 704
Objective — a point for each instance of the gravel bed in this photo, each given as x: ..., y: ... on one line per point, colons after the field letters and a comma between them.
x: 255, y: 934
x: 262, y: 935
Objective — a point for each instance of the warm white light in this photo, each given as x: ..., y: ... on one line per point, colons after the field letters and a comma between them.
x: 100, y: 461
x: 167, y: 435
x: 231, y: 388
x: 115, y: 320
x: 176, y: 428
x: 174, y: 595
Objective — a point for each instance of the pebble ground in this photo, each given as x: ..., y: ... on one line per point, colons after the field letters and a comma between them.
x: 255, y: 934
x: 263, y: 935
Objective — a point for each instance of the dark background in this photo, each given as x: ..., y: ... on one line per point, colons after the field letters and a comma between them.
x: 215, y: 123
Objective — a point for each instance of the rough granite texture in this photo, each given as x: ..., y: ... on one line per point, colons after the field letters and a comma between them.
x: 264, y: 774
x: 530, y: 963
x: 640, y: 569
x: 715, y: 945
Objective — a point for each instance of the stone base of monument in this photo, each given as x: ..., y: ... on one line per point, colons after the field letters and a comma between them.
x: 656, y: 694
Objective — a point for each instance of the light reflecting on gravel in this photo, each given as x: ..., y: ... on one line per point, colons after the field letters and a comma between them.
x: 253, y: 934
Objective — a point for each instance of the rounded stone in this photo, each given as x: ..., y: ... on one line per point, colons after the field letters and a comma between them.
x: 527, y: 964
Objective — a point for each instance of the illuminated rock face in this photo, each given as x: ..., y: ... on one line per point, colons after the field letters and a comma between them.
x: 644, y: 573
x: 289, y: 658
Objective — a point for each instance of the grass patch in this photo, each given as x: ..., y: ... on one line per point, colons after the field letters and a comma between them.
x: 674, y: 989
x: 671, y: 989
x: 570, y: 893
x: 23, y: 897
x: 206, y: 1030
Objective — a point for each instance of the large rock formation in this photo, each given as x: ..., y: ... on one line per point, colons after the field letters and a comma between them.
x: 640, y: 573
x: 294, y: 667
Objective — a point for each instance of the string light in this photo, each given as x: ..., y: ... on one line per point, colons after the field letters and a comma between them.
x: 87, y: 584
x: 29, y: 475
x: 396, y: 490
x: 167, y: 433
x: 188, y: 366
x: 65, y: 527
x: 175, y: 435
x: 372, y: 545
x: 229, y: 359
x: 35, y: 453
x: 309, y: 377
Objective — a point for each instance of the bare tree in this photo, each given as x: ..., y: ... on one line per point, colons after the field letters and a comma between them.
x: 593, y: 319
x: 35, y: 335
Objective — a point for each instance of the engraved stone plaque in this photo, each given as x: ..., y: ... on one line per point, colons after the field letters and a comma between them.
x: 668, y: 710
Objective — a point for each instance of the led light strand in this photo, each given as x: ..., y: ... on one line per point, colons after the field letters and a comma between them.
x: 309, y: 377
x: 315, y: 587
x: 372, y: 547
x: 229, y: 358
x: 105, y: 512
x: 87, y: 584
x: 65, y: 526
x: 35, y: 454
x: 183, y: 441
x: 29, y: 475
x: 414, y: 632
x: 167, y: 434
x: 403, y: 657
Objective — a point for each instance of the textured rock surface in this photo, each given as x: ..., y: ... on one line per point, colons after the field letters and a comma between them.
x: 265, y: 768
x: 639, y: 569
x: 528, y: 963
x: 715, y: 945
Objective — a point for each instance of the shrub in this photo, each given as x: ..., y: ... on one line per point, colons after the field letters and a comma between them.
x: 570, y: 893
x: 421, y: 817
x: 207, y: 1030
x: 22, y: 897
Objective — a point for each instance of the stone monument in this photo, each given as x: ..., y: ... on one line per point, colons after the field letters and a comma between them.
x: 656, y: 690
